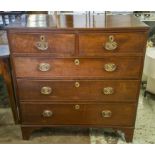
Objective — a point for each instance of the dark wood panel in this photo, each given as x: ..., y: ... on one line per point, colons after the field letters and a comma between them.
x: 57, y: 44
x: 126, y: 67
x: 78, y: 90
x: 86, y: 114
x: 93, y: 44
x: 5, y: 71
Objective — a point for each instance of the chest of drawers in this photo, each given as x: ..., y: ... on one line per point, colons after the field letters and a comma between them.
x: 87, y: 75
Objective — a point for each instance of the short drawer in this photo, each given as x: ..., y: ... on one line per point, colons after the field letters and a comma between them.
x: 105, y: 68
x: 41, y: 43
x: 97, y: 90
x: 74, y: 114
x: 97, y: 44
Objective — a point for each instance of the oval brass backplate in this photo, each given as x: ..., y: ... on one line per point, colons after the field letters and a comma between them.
x: 44, y: 67
x: 106, y: 113
x: 110, y: 67
x: 47, y: 113
x: 108, y: 90
x: 46, y: 90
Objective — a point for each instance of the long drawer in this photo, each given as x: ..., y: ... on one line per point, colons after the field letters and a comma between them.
x: 72, y: 114
x: 105, y: 68
x: 91, y: 90
x: 97, y: 44
x: 42, y: 43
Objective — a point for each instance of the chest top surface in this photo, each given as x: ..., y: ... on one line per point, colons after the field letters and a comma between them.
x: 75, y: 21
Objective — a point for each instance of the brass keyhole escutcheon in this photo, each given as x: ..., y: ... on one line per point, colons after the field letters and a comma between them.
x: 77, y: 84
x: 42, y: 38
x: 46, y: 90
x: 77, y: 62
x: 77, y: 107
x: 111, y: 44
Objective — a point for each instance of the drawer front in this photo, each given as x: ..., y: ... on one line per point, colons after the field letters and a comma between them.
x: 105, y: 68
x: 97, y: 44
x: 56, y: 44
x: 73, y: 114
x: 55, y: 90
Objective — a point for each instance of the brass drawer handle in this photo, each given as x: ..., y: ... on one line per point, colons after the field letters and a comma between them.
x: 110, y: 67
x: 47, y: 113
x: 77, y: 107
x: 108, y: 90
x: 77, y: 84
x: 46, y: 90
x: 106, y: 113
x: 44, y: 67
x: 111, y: 44
x: 77, y: 62
x: 42, y: 44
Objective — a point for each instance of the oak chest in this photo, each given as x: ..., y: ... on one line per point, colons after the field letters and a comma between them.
x: 72, y: 71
